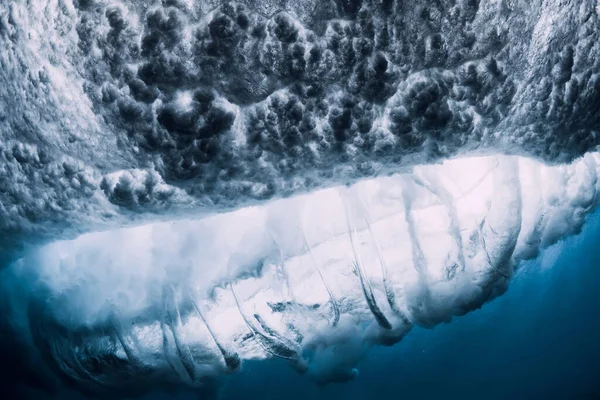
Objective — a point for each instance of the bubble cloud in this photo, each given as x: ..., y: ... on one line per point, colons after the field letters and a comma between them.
x: 315, y: 279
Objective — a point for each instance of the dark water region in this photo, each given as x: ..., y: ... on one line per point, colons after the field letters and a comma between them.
x: 541, y: 340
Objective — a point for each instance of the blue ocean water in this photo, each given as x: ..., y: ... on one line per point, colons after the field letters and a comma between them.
x: 540, y: 340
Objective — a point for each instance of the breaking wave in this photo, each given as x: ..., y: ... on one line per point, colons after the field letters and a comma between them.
x: 316, y: 279
x: 187, y: 187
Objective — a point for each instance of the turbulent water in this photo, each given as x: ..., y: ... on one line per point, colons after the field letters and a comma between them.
x: 194, y: 189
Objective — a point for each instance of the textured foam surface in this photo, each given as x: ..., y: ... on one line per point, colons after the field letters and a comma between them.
x: 116, y: 112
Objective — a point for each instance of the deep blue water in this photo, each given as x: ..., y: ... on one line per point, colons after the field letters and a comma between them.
x: 540, y: 340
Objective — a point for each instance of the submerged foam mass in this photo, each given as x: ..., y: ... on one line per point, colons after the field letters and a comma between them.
x: 315, y: 279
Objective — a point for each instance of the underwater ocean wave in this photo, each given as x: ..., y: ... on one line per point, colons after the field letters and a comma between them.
x: 314, y: 282
x: 299, y: 198
x: 537, y: 341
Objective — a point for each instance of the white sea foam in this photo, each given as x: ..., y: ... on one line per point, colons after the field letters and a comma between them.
x: 315, y: 279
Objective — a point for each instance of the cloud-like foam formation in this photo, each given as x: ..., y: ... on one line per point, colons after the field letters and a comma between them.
x: 117, y: 112
x: 315, y: 279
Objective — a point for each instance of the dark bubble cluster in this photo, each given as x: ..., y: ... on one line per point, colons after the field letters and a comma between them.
x: 315, y: 92
x: 232, y: 102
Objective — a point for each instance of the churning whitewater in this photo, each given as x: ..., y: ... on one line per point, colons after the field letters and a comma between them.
x: 187, y: 185
x: 315, y: 279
